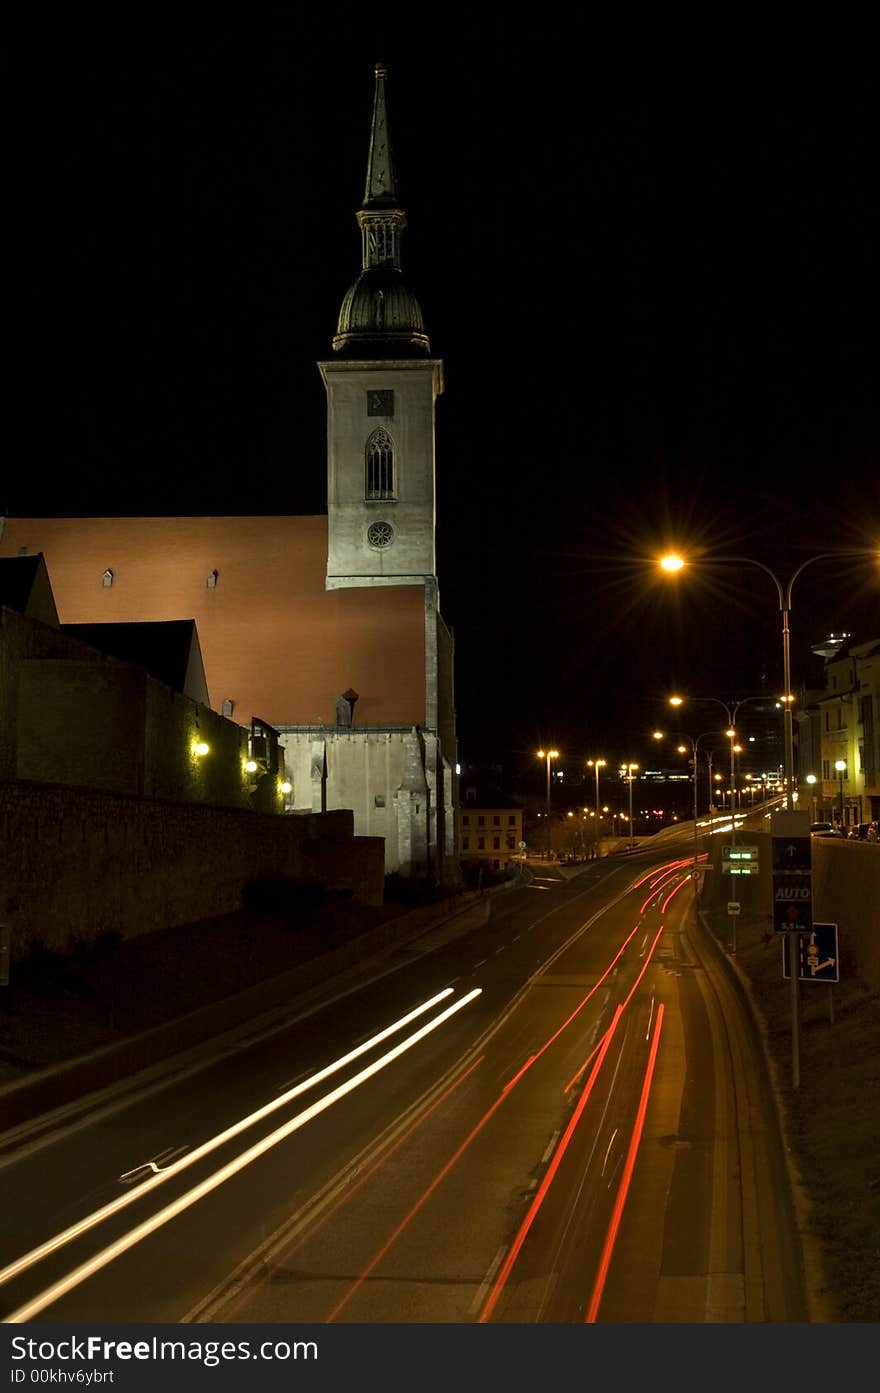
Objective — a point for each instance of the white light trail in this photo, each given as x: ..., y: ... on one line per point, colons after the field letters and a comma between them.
x: 158, y: 1220
x: 166, y: 1172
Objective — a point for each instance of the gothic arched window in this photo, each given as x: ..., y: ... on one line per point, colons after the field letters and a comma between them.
x: 379, y: 481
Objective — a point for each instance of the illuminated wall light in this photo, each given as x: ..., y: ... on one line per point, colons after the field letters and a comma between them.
x: 286, y: 787
x: 201, y: 748
x: 251, y: 766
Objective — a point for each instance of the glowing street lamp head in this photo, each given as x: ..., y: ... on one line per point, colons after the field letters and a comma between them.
x: 682, y: 749
x: 672, y: 562
x: 659, y: 735
x: 676, y: 701
x: 811, y: 778
x: 200, y: 748
x: 840, y: 765
x: 730, y: 732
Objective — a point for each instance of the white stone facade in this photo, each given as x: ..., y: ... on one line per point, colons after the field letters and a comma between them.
x: 411, y: 388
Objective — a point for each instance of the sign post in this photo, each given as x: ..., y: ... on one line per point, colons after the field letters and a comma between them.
x: 792, y: 900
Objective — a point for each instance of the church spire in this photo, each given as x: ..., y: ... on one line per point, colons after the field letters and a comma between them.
x: 380, y: 316
x: 381, y: 189
x: 380, y: 219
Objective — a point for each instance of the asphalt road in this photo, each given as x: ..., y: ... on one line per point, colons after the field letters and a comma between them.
x: 578, y: 1129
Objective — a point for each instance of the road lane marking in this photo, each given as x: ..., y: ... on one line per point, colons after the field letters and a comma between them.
x: 608, y: 1152
x: 493, y: 1268
x: 160, y: 1162
x: 550, y: 1145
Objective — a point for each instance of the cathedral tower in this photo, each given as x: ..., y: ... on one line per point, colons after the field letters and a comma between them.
x: 381, y: 389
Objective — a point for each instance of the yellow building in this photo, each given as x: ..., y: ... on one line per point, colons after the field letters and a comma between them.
x: 490, y: 834
x: 850, y: 736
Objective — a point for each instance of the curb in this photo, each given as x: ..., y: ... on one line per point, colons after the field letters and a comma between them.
x: 816, y: 1289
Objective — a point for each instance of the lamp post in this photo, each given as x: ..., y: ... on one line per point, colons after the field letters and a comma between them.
x: 597, y: 764
x: 628, y: 770
x: 671, y: 564
x: 811, y: 780
x: 694, y: 744
x: 840, y: 766
x: 548, y: 755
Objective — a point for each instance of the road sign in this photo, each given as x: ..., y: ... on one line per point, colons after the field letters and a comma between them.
x: 739, y: 860
x: 792, y: 855
x: 792, y: 904
x: 733, y: 906
x: 818, y: 955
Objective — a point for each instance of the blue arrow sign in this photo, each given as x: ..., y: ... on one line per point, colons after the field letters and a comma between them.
x: 818, y: 955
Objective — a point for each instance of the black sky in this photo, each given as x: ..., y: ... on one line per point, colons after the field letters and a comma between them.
x: 651, y: 272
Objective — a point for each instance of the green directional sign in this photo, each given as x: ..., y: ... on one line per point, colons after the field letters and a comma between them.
x: 739, y: 860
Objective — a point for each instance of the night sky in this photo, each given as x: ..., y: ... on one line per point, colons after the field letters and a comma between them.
x: 651, y: 274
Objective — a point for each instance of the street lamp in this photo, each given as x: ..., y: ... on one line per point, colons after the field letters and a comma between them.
x: 628, y: 770
x: 597, y: 764
x: 840, y: 766
x: 694, y: 743
x: 548, y: 755
x: 672, y: 563
x: 811, y: 780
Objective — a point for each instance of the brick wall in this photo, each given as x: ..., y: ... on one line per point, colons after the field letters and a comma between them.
x: 78, y: 861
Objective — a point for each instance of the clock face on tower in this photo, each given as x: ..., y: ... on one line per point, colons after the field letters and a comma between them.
x: 380, y: 403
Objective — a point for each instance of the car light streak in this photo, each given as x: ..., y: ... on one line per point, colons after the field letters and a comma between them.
x: 656, y: 871
x: 185, y: 1201
x: 572, y: 1081
x: 300, y: 1241
x: 681, y: 884
x: 490, y: 1112
x: 650, y: 1018
x: 97, y: 1216
x: 660, y: 885
x: 617, y: 1213
x: 377, y: 1258
x: 513, y: 1251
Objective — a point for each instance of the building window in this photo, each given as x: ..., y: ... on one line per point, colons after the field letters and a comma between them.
x: 511, y: 821
x: 496, y: 843
x: 826, y: 769
x: 379, y: 482
x: 480, y: 820
x: 481, y: 843
x: 211, y: 579
x: 496, y: 865
x: 228, y: 706
x: 827, y: 720
x: 107, y: 578
x: 380, y: 534
x: 465, y: 843
x: 466, y: 820
x: 497, y: 820
x: 840, y: 718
